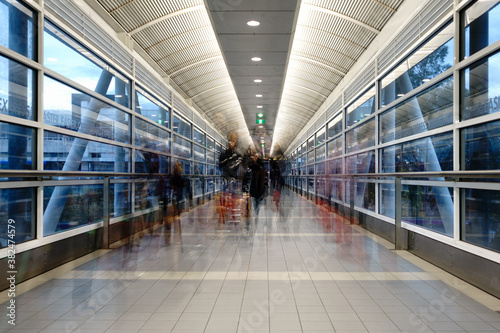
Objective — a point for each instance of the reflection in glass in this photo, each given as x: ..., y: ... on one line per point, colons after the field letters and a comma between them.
x: 120, y: 199
x: 364, y: 192
x: 433, y: 108
x: 310, y: 143
x: 151, y: 108
x: 361, y: 137
x: 198, y: 136
x: 18, y: 28
x: 480, y: 24
x: 480, y: 88
x: 182, y: 147
x: 82, y: 113
x: 63, y: 152
x: 17, y: 93
x: 361, y: 108
x: 17, y: 204
x: 420, y: 205
x: 335, y: 126
x: 482, y: 147
x: 64, y: 55
x: 151, y: 136
x: 481, y: 223
x: 434, y: 153
x: 77, y: 205
x: 199, y: 153
x: 335, y: 147
x: 320, y: 153
x: 430, y: 60
x: 320, y: 136
x: 182, y: 127
x: 18, y: 147
x: 151, y: 162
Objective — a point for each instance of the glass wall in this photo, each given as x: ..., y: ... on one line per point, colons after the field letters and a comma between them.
x: 88, y: 124
x: 406, y: 121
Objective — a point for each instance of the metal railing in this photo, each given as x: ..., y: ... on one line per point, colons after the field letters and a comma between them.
x: 35, y: 178
x: 446, y: 176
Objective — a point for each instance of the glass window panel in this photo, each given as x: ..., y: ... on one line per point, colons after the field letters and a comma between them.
x: 199, y: 168
x: 151, y: 108
x: 210, y: 157
x: 335, y: 126
x: 361, y: 137
x: 150, y: 136
x: 480, y: 88
x: 335, y: 147
x: 84, y: 155
x: 198, y: 136
x: 434, y: 153
x: 186, y: 166
x: 17, y: 89
x: 361, y: 108
x: 430, y: 207
x: 120, y: 199
x: 182, y: 147
x: 430, y: 60
x: 310, y: 169
x: 482, y: 147
x: 71, y: 109
x: 17, y: 209
x: 68, y: 207
x: 433, y: 108
x: 320, y: 136
x: 320, y: 153
x: 210, y: 143
x: 150, y: 162
x: 210, y: 169
x: 18, y: 147
x: 361, y: 163
x: 197, y: 185
x: 304, y: 148
x: 320, y: 168
x: 481, y: 225
x: 310, y: 143
x: 199, y: 153
x: 182, y: 127
x: 481, y: 29
x: 310, y: 157
x: 64, y: 55
x: 18, y: 28
x: 210, y: 185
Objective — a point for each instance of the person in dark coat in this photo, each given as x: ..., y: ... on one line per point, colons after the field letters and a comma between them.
x: 230, y: 162
x: 258, y: 183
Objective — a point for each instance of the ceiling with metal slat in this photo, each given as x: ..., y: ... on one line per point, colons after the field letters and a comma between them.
x: 206, y: 48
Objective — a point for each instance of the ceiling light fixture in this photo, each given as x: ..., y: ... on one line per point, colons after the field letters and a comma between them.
x: 257, y: 80
x: 259, y: 106
x: 258, y: 95
x: 256, y: 59
x: 253, y: 23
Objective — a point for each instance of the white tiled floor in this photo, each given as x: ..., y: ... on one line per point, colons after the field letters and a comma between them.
x: 304, y: 270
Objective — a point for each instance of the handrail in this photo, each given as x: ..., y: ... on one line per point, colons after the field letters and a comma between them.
x: 106, y: 180
x: 398, y: 177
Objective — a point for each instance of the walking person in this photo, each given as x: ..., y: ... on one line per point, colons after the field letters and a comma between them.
x: 258, y: 184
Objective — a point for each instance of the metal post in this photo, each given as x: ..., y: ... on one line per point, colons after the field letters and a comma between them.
x: 105, y: 211
x: 397, y: 214
x: 351, y: 199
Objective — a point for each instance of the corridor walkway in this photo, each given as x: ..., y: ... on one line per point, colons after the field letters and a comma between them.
x: 301, y: 269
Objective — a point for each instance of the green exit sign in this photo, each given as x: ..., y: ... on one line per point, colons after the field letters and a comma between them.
x: 260, y: 121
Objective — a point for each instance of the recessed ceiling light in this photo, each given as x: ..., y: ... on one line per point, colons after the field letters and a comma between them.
x: 253, y: 23
x: 261, y: 126
x: 259, y: 106
x: 258, y: 95
x: 257, y: 80
x: 256, y: 59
